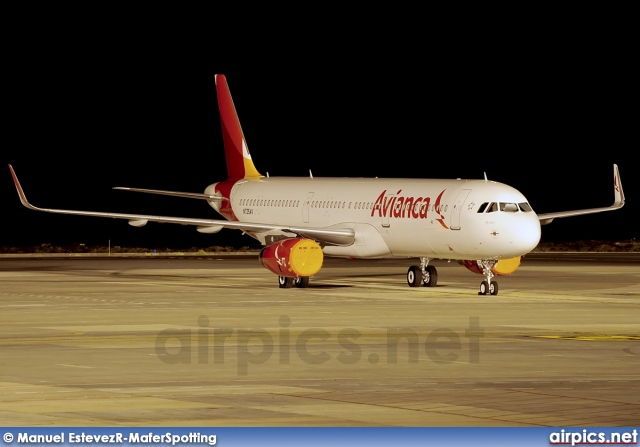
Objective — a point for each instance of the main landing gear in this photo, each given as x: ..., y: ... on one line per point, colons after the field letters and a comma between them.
x: 487, y: 285
x: 422, y: 275
x: 427, y: 275
x: 285, y: 282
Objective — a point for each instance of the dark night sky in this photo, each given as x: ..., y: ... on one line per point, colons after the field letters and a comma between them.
x: 86, y: 115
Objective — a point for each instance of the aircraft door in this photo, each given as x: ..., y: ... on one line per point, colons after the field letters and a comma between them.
x: 457, y: 208
x: 386, y: 212
x: 305, y: 207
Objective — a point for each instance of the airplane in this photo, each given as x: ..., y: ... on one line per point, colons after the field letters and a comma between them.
x: 486, y: 226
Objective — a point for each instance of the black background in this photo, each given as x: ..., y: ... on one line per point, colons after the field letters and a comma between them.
x: 546, y: 112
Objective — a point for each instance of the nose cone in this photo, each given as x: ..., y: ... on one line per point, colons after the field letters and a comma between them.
x: 527, y: 232
x: 517, y: 236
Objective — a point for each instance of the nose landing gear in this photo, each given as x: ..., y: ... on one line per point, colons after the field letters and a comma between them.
x: 487, y: 285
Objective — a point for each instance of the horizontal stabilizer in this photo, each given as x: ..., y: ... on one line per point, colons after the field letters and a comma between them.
x: 189, y: 195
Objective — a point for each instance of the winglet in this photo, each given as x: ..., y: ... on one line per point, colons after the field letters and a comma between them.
x: 23, y: 197
x: 617, y: 188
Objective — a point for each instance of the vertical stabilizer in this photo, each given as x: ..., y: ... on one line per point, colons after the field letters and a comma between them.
x: 239, y: 162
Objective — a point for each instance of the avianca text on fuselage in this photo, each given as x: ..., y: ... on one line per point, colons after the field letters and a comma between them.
x: 402, y: 207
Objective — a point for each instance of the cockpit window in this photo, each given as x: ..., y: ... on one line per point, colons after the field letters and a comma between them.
x: 488, y: 207
x: 524, y: 206
x: 509, y: 207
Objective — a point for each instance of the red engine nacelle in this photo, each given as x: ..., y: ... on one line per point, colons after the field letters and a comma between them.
x: 293, y: 257
x: 502, y: 267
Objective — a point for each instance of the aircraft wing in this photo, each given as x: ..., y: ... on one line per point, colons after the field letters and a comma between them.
x: 334, y: 236
x: 617, y: 203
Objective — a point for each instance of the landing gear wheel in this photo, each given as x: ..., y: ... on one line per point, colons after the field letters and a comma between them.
x: 285, y: 282
x: 302, y: 282
x: 493, y: 288
x: 414, y: 276
x: 432, y: 277
x: 484, y: 286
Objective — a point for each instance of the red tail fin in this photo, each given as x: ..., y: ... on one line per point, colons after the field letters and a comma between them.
x: 239, y: 162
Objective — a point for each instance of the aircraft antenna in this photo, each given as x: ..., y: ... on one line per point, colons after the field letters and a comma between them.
x: 310, y: 174
x: 485, y: 177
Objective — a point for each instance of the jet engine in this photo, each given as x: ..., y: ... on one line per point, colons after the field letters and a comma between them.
x: 292, y: 257
x: 502, y: 267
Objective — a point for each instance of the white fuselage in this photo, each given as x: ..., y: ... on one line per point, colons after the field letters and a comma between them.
x: 431, y: 218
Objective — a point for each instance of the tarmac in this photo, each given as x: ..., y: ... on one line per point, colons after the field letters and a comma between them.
x: 193, y: 340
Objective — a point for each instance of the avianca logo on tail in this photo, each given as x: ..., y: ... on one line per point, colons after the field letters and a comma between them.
x: 402, y: 207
